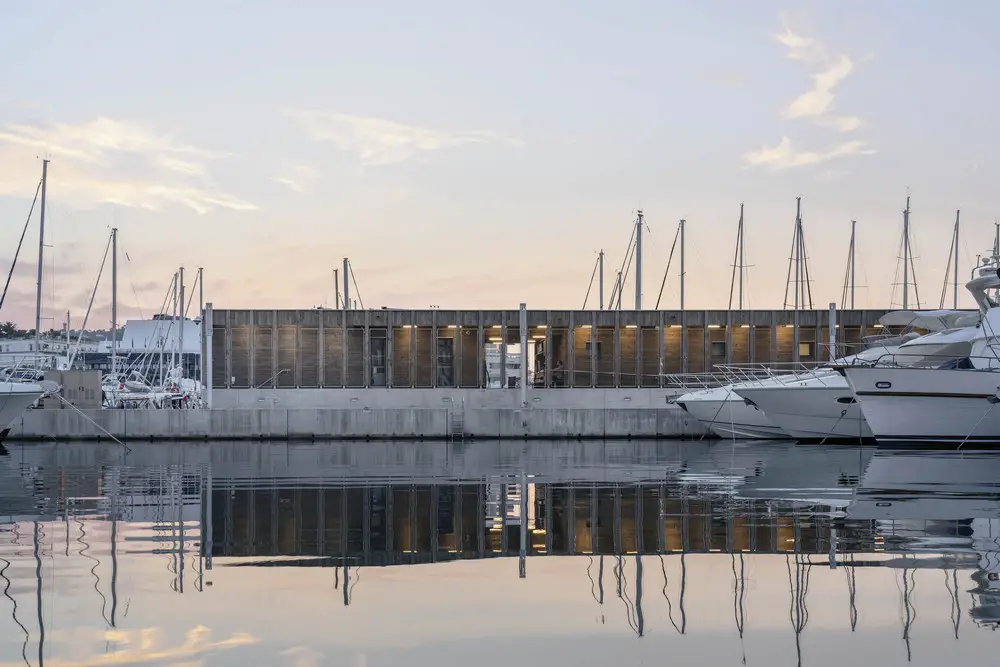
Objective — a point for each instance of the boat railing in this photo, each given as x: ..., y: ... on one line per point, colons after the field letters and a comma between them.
x: 903, y: 360
x: 770, y: 373
x: 694, y: 381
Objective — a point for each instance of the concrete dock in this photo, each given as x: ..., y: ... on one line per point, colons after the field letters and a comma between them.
x: 370, y: 414
x: 325, y: 374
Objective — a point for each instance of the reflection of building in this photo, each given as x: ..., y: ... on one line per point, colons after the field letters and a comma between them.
x: 386, y: 524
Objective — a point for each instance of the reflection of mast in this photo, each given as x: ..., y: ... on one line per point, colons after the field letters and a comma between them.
x: 739, y: 598
x: 599, y: 597
x: 798, y: 587
x: 670, y: 606
x: 909, y: 583
x: 956, y: 606
x: 13, y: 613
x: 114, y: 546
x: 852, y: 591
x: 38, y: 577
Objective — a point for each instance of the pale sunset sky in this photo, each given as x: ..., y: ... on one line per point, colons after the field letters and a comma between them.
x: 473, y: 154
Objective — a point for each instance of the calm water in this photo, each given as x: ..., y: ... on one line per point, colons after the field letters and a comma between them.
x: 497, y: 554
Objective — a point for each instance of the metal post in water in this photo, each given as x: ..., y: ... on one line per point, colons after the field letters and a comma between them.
x: 347, y: 286
x: 41, y: 254
x: 522, y: 569
x: 833, y: 331
x: 523, y: 327
x: 638, y: 262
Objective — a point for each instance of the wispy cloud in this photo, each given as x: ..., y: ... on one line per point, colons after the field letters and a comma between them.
x: 377, y: 141
x: 817, y: 105
x: 110, y: 161
x: 297, y: 177
x: 784, y: 156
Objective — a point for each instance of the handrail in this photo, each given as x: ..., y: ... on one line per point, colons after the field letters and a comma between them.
x: 927, y: 361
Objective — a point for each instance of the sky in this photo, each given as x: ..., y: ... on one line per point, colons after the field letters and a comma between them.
x: 477, y: 155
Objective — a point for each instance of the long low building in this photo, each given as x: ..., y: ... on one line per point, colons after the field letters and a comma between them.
x: 324, y: 348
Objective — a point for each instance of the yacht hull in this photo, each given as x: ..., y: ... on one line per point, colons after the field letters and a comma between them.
x: 918, y: 405
x: 822, y: 412
x: 15, y: 398
x: 731, y: 418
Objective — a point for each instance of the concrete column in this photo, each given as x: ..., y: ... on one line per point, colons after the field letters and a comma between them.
x: 795, y: 335
x: 523, y: 328
x: 434, y: 348
x: 366, y: 348
x: 413, y: 348
x: 616, y: 350
x: 660, y: 349
x: 503, y: 351
x: 343, y: 349
x: 275, y: 369
x: 547, y: 381
x: 833, y: 331
x: 206, y: 361
x: 593, y: 349
x: 571, y: 352
x: 729, y: 337
x: 321, y: 352
x: 480, y: 354
x: 229, y: 349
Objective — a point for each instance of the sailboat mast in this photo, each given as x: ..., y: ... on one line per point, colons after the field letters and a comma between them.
x: 955, y: 253
x: 638, y: 262
x: 180, y: 332
x: 41, y: 251
x: 853, y: 224
x: 906, y: 255
x: 114, y: 299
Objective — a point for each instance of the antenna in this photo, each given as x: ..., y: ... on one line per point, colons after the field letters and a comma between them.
x: 739, y: 262
x: 798, y: 261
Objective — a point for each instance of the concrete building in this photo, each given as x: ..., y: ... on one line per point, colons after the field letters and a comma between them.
x: 320, y: 349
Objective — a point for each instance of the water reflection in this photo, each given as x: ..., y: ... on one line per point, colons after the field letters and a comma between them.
x: 762, y: 530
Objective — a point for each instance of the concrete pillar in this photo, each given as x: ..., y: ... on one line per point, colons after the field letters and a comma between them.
x: 321, y: 351
x: 661, y: 348
x: 571, y: 352
x: 480, y: 353
x: 343, y: 348
x: 547, y: 381
x: 413, y: 348
x: 523, y: 326
x: 206, y: 360
x: 833, y: 331
x: 593, y: 349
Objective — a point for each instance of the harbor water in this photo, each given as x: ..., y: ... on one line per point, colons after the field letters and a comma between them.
x: 493, y: 552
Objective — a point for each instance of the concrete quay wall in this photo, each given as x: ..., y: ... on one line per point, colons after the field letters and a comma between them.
x: 668, y: 421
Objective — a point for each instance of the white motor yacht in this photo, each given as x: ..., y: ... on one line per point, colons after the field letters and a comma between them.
x: 951, y: 397
x: 15, y: 398
x: 822, y: 406
x: 729, y: 414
